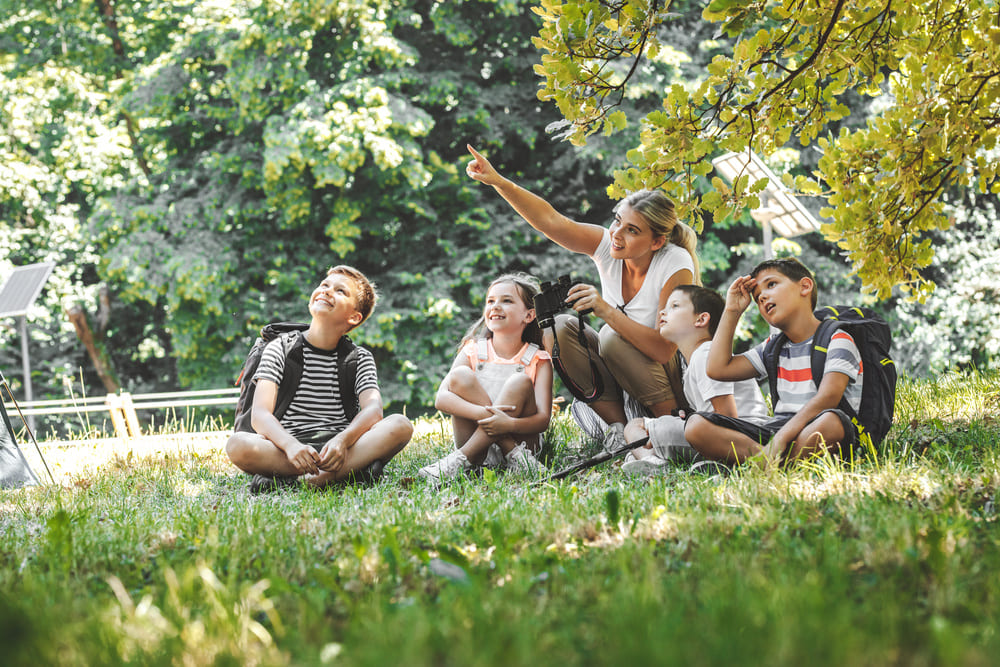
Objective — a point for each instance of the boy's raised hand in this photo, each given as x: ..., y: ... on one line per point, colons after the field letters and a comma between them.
x: 480, y: 169
x: 740, y: 294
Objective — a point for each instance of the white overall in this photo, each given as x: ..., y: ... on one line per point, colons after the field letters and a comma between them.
x: 492, y: 372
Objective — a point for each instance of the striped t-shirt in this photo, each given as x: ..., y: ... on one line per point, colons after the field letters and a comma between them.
x: 795, y: 382
x: 316, y: 405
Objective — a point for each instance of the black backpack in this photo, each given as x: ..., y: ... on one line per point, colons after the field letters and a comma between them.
x: 291, y: 335
x: 874, y: 339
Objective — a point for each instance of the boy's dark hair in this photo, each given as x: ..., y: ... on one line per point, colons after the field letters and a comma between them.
x: 366, y: 297
x: 705, y: 300
x: 790, y: 268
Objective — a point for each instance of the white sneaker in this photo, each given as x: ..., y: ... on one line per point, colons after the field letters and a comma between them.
x: 521, y: 461
x: 448, y: 467
x: 614, y: 437
x: 647, y: 466
x: 710, y: 467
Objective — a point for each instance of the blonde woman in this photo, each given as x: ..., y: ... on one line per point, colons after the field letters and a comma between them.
x: 642, y: 257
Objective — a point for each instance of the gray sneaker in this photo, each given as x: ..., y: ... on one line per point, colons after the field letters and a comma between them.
x: 614, y: 437
x: 452, y: 465
x: 521, y: 461
x: 710, y: 467
x: 266, y: 484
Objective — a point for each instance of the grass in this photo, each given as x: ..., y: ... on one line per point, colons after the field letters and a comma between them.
x: 168, y: 560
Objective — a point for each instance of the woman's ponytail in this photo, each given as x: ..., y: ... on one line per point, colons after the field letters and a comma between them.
x: 683, y: 236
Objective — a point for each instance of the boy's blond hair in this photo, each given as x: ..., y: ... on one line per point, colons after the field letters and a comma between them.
x: 366, y: 297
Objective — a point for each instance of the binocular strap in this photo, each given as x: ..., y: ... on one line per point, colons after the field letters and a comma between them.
x: 595, y: 375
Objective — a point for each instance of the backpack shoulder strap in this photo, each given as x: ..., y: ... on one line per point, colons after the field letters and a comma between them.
x: 291, y: 343
x: 347, y: 376
x: 772, y: 350
x: 482, y: 349
x: 820, y: 346
x: 269, y: 332
x: 817, y: 360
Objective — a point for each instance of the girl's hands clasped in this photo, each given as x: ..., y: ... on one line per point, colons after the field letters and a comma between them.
x: 499, y: 422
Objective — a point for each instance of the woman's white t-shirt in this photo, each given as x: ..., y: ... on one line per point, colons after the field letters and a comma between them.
x: 644, y: 307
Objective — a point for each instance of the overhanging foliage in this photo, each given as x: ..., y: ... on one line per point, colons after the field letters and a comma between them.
x: 935, y: 62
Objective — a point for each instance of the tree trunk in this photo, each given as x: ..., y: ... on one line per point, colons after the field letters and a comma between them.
x: 96, y: 349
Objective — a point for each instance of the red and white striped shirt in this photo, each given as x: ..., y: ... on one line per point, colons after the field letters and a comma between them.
x: 795, y: 382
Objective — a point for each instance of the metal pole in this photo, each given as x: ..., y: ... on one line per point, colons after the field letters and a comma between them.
x: 26, y: 367
x: 768, y: 251
x: 766, y: 224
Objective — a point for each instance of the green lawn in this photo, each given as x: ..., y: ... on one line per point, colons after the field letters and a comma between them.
x: 169, y: 560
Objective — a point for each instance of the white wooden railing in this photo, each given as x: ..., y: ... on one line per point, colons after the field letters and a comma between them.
x: 123, y: 406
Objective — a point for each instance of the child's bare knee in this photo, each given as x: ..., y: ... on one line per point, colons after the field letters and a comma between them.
x: 518, y: 384
x: 461, y: 378
x: 695, y: 429
x: 521, y: 381
x: 826, y: 431
x: 399, y: 426
x: 241, y: 449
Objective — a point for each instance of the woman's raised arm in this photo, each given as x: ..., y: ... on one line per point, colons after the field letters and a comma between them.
x: 574, y: 236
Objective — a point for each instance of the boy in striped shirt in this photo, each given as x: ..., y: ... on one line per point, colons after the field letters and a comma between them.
x: 806, y: 419
x: 314, y: 440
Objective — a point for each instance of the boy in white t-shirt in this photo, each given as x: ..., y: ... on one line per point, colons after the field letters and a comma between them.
x: 689, y: 320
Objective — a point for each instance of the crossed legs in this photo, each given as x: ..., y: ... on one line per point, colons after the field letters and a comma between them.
x: 734, y: 445
x: 256, y: 454
x: 471, y: 438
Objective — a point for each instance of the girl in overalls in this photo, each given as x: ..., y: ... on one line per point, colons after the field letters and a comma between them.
x: 499, y: 389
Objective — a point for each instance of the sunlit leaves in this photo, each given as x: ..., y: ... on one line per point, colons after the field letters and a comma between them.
x: 602, y: 43
x: 282, y: 137
x: 789, y: 68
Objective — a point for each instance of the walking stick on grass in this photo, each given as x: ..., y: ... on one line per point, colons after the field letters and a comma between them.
x: 594, y: 460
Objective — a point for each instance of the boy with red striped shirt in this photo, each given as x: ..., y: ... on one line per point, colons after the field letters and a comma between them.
x: 806, y: 418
